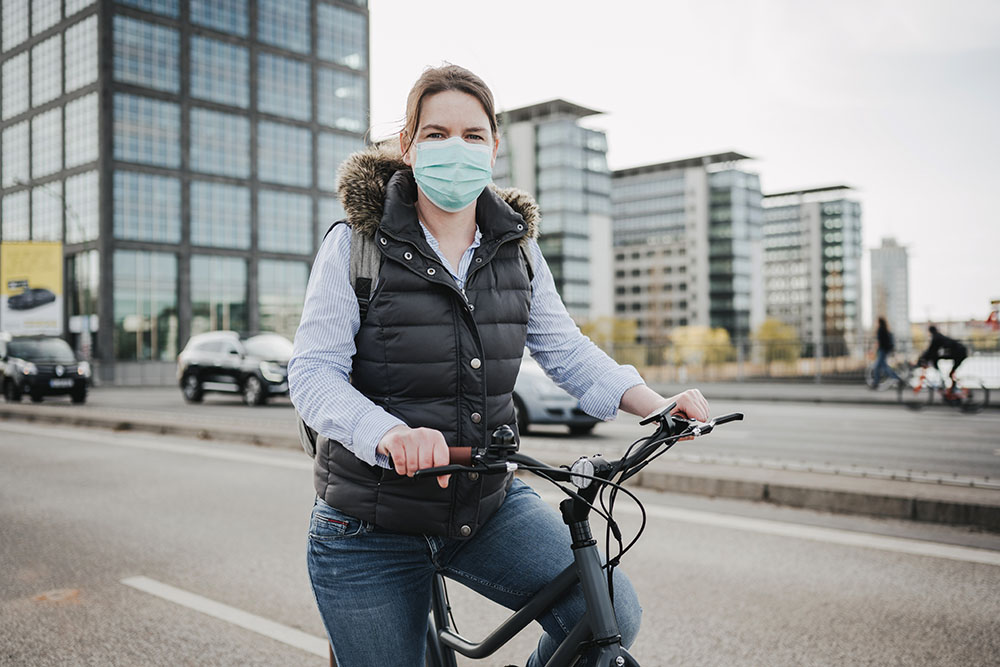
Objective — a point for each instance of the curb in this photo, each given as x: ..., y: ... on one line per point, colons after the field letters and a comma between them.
x: 913, y: 501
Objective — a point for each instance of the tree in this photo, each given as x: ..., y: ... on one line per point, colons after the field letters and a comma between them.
x: 779, y: 341
x: 699, y: 345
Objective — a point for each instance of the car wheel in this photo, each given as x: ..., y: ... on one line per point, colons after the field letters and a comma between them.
x: 253, y: 391
x: 36, y: 398
x: 11, y: 392
x: 581, y: 429
x: 79, y: 396
x: 192, y: 389
x: 521, y: 415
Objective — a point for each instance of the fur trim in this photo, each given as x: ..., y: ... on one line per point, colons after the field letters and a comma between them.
x: 364, y: 175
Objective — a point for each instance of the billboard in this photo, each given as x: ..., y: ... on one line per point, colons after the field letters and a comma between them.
x: 31, y: 287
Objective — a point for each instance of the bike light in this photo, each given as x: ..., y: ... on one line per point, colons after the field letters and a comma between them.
x: 582, y: 466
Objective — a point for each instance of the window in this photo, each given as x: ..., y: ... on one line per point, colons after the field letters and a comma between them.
x: 147, y: 131
x: 81, y: 54
x: 342, y: 36
x: 46, y: 143
x: 342, y: 100
x: 83, y: 280
x: 82, y: 207
x: 44, y: 15
x: 218, y: 293
x: 74, y: 6
x: 81, y: 131
x: 145, y: 297
x: 15, y: 86
x: 46, y: 71
x: 283, y: 87
x: 220, y: 215
x: 220, y: 143
x: 14, y: 213
x: 147, y: 207
x: 284, y: 23
x: 282, y: 289
x: 14, y: 155
x: 146, y: 54
x: 47, y: 212
x: 162, y: 7
x: 284, y: 154
x: 222, y: 15
x: 333, y: 149
x: 220, y: 72
x: 13, y: 23
x: 330, y: 211
x: 284, y: 222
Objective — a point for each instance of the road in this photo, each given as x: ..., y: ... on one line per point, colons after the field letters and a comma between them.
x: 99, y: 529
x: 938, y: 441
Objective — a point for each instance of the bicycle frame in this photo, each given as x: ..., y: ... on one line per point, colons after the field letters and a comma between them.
x: 598, y: 625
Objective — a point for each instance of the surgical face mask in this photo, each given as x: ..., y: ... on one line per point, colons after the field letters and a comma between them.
x: 453, y: 173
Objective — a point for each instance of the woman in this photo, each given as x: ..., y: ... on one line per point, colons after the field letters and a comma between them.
x: 886, y: 344
x: 432, y: 365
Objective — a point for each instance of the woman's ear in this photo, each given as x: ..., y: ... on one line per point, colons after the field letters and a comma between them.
x: 404, y: 149
x: 496, y: 147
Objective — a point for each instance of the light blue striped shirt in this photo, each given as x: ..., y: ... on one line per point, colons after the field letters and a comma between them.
x: 318, y: 373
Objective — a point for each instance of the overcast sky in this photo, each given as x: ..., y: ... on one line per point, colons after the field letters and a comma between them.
x: 900, y: 99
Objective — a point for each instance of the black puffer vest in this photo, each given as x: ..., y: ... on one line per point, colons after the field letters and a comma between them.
x: 435, y: 357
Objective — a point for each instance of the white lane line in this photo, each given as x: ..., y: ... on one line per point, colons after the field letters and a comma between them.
x: 210, y: 451
x: 243, y: 619
x: 815, y: 533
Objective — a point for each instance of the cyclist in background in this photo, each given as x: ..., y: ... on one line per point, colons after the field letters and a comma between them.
x: 942, y: 347
x: 886, y: 344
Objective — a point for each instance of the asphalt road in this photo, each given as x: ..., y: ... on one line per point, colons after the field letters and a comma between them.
x: 938, y: 441
x: 220, y: 529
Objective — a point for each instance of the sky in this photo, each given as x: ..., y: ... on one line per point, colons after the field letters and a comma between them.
x: 899, y: 99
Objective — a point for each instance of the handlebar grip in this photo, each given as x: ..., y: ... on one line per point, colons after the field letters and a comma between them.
x: 460, y: 455
x: 731, y: 417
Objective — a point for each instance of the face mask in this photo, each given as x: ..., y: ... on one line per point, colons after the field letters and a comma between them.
x: 452, y: 173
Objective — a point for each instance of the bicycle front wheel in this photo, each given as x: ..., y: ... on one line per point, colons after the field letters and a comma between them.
x: 914, y: 396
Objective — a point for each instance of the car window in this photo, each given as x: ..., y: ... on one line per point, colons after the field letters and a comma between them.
x: 42, y: 349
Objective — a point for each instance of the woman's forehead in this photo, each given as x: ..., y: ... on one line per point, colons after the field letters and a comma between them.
x: 452, y: 107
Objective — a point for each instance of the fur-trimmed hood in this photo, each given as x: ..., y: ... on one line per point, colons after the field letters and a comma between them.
x: 363, y: 178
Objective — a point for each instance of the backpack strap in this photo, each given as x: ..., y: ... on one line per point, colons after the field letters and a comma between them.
x: 529, y: 261
x: 366, y: 260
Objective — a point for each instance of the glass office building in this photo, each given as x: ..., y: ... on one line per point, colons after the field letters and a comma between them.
x: 185, y: 152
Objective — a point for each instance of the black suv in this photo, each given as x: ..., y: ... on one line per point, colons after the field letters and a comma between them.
x: 255, y: 366
x: 40, y: 366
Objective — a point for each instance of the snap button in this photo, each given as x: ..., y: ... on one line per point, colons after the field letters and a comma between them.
x: 479, y: 260
x: 465, y: 530
x: 431, y: 271
x: 476, y: 417
x: 408, y: 255
x: 382, y: 241
x: 520, y: 227
x: 473, y: 476
x: 471, y: 308
x: 475, y: 363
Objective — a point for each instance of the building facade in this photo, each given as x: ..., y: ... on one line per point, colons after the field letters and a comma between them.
x: 185, y: 152
x: 687, y: 246
x: 890, y: 281
x: 544, y: 151
x: 812, y: 267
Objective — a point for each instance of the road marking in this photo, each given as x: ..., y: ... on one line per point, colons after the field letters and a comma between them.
x: 243, y: 619
x: 209, y: 451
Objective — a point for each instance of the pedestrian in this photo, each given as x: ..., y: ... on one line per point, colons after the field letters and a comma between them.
x: 886, y: 345
x: 462, y: 289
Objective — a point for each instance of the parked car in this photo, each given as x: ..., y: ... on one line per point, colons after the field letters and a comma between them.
x: 539, y: 400
x: 255, y: 366
x: 31, y: 297
x: 40, y: 366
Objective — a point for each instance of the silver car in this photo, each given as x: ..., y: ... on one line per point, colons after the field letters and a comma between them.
x: 539, y: 400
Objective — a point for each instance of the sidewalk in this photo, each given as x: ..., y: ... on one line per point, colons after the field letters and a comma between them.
x: 917, y: 501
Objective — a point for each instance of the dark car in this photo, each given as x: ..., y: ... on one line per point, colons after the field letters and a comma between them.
x: 40, y: 366
x: 255, y: 366
x: 31, y: 297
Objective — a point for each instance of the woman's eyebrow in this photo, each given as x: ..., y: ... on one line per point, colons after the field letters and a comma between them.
x: 442, y: 128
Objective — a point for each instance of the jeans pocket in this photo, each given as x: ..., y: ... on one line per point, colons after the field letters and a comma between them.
x: 329, y: 523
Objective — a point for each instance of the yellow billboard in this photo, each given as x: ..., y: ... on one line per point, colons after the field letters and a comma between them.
x: 31, y: 287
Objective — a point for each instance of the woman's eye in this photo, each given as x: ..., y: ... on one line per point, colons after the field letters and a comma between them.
x: 434, y: 135
x: 474, y: 137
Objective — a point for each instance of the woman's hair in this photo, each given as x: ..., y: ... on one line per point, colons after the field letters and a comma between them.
x: 882, y: 323
x: 437, y: 80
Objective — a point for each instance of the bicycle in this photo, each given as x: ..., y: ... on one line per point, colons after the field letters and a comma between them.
x: 922, y: 382
x: 593, y: 478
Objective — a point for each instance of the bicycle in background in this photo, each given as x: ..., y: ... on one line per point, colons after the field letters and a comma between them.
x: 922, y: 382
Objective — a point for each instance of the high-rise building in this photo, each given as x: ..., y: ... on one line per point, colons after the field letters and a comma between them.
x: 812, y: 266
x: 890, y: 280
x: 185, y: 152
x: 544, y: 151
x: 687, y: 244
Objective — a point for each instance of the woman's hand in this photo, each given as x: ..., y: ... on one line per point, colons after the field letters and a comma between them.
x: 642, y: 401
x: 691, y: 403
x: 413, y: 449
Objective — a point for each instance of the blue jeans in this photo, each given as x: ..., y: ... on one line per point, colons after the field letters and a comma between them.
x: 882, y: 366
x: 373, y: 587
